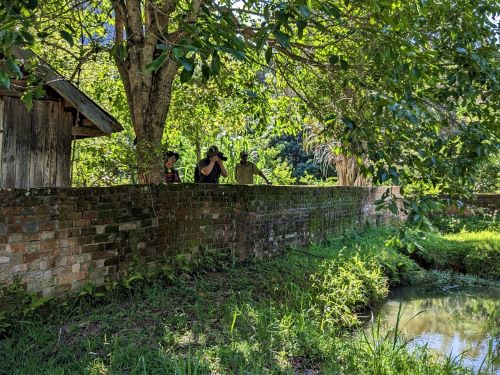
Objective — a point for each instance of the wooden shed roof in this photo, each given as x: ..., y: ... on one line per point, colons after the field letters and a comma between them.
x: 95, y: 121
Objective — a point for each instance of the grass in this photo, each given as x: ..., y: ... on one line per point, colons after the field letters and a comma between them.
x: 474, y: 253
x: 292, y: 314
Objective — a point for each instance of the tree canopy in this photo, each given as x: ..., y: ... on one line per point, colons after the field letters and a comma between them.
x: 405, y: 92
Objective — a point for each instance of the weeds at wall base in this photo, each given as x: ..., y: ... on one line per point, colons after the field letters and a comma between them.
x: 296, y: 312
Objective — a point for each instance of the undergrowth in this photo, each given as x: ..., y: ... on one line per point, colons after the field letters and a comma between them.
x: 291, y: 314
x: 473, y: 253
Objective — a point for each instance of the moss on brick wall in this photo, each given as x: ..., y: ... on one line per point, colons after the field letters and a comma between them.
x: 57, y: 239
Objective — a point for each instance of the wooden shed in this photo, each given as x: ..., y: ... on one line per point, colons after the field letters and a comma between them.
x: 35, y: 146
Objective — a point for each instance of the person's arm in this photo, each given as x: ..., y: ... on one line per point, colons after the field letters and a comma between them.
x: 208, y: 169
x: 259, y: 173
x: 223, y: 170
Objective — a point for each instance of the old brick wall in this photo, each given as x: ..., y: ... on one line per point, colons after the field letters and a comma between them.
x: 55, y: 239
x: 487, y: 203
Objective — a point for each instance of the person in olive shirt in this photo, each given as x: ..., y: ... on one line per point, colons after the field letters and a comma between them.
x: 245, y: 170
x: 212, y: 167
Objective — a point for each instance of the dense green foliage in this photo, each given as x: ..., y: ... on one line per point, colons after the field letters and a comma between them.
x: 474, y: 223
x: 487, y: 174
x: 290, y: 313
x: 407, y: 90
x: 476, y: 253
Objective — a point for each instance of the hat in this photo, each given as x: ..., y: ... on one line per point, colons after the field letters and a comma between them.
x: 212, y: 150
x: 242, y: 153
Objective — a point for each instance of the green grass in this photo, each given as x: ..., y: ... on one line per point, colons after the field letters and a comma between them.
x: 474, y: 253
x: 284, y: 315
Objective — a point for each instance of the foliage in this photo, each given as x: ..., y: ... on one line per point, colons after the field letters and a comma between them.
x: 487, y: 175
x: 278, y: 315
x: 15, y: 23
x: 460, y: 223
x: 476, y: 253
x: 408, y: 90
x: 292, y: 151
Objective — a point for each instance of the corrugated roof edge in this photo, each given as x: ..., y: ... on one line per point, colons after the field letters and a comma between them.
x: 78, y: 99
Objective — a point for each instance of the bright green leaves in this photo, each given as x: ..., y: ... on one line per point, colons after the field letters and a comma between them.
x: 4, y: 80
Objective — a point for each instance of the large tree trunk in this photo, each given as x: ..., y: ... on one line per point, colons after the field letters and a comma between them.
x: 348, y: 173
x: 139, y: 27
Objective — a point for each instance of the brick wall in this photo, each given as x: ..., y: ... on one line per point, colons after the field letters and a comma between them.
x: 488, y: 203
x: 56, y: 239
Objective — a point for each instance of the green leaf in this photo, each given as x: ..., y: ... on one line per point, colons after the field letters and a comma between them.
x: 269, y: 54
x: 27, y: 99
x: 188, y: 64
x: 4, y: 80
x: 121, y: 52
x: 393, y: 208
x: 304, y: 11
x: 260, y: 41
x: 67, y: 37
x: 186, y: 75
x: 348, y: 123
x: 215, y: 63
x: 282, y: 38
x: 332, y: 10
x: 28, y: 38
x: 39, y: 92
x: 14, y: 68
x: 205, y: 71
x: 42, y: 34
x: 334, y: 59
x: 157, y: 63
x: 178, y: 52
x: 301, y: 25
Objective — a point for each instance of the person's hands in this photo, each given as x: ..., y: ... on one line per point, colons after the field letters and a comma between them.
x: 215, y: 158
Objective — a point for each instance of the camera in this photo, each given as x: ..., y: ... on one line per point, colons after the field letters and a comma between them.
x: 221, y: 156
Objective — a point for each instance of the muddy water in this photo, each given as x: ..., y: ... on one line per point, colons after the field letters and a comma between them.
x: 460, y: 322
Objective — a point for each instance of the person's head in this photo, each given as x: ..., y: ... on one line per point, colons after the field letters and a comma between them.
x: 212, y: 151
x: 243, y: 157
x: 170, y: 158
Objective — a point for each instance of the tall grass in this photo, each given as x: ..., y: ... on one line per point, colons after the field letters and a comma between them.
x: 292, y: 314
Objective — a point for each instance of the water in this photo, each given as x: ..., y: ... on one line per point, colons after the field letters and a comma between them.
x: 457, y: 321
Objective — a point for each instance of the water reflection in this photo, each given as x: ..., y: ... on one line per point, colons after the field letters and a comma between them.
x: 462, y: 321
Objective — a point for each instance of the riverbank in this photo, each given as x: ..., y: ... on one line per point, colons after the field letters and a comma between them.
x: 284, y: 315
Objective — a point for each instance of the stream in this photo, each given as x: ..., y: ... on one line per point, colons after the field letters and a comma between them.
x: 463, y: 322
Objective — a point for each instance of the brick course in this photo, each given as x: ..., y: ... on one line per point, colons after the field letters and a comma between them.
x: 54, y: 239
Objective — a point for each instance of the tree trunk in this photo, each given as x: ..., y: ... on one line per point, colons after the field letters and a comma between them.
x: 139, y: 27
x: 348, y: 172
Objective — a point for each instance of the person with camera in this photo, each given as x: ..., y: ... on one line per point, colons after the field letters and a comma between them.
x: 171, y: 174
x: 212, y: 167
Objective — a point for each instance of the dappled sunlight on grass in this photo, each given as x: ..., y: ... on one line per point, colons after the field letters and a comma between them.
x: 290, y: 314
